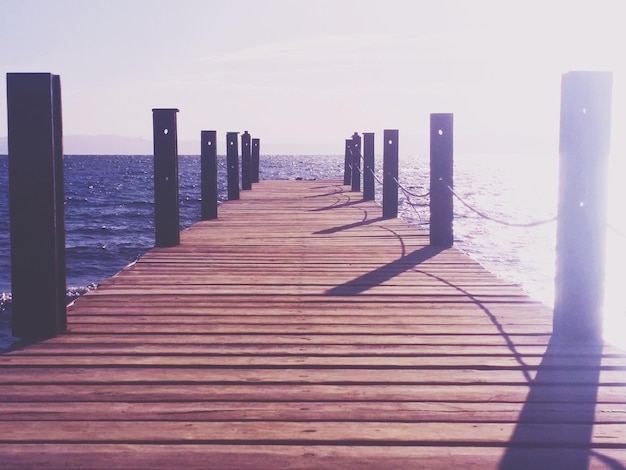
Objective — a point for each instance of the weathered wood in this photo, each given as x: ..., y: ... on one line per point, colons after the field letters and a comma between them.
x: 36, y: 199
x: 265, y: 348
x: 347, y: 164
x: 355, y: 151
x: 294, y: 457
x: 581, y: 226
x: 256, y: 159
x: 369, y: 192
x: 441, y: 180
x: 208, y: 174
x: 232, y: 165
x: 390, y: 174
x: 166, y: 194
x: 354, y: 411
x: 246, y: 161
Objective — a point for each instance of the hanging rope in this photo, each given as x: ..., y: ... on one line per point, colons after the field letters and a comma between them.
x: 510, y: 224
x: 413, y: 206
x: 376, y: 177
x: 407, y: 192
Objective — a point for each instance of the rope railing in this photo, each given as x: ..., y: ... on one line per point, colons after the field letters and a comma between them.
x: 535, y: 223
x: 407, y: 192
x: 498, y: 221
x: 376, y: 177
x: 413, y: 206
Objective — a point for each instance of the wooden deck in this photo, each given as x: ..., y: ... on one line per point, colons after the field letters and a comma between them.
x: 301, y: 330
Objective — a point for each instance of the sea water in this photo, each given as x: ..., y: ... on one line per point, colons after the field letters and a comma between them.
x: 109, y: 213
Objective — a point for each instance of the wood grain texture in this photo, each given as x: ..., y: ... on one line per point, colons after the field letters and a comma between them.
x: 302, y: 330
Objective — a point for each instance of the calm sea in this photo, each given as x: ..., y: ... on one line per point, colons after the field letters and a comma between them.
x: 109, y: 217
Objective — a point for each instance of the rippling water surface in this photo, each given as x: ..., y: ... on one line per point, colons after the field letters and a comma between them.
x: 109, y: 216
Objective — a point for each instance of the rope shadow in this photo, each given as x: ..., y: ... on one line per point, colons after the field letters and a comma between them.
x: 556, y: 387
x: 337, y: 190
x: 336, y: 205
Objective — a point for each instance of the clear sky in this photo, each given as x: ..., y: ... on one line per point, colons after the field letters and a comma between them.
x: 304, y: 74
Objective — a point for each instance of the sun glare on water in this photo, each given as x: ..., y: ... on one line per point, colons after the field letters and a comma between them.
x: 614, y: 304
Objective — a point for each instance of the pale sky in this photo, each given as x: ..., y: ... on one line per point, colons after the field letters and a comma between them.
x: 303, y: 75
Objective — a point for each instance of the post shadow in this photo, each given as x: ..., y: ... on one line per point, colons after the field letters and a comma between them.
x: 385, y: 272
x: 555, y: 427
x: 341, y: 228
x: 579, y: 282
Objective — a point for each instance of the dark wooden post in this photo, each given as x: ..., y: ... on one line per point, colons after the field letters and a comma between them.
x: 36, y: 210
x: 347, y: 173
x: 166, y: 200
x: 369, y: 192
x: 256, y: 159
x: 441, y: 180
x: 356, y: 162
x: 246, y: 161
x: 60, y: 201
x: 580, y: 247
x: 390, y: 174
x: 208, y: 174
x: 232, y: 165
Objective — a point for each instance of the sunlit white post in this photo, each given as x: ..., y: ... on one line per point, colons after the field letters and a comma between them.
x: 581, y: 228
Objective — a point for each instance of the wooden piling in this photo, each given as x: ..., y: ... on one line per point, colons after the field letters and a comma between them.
x: 356, y: 162
x: 208, y: 174
x: 246, y: 162
x: 584, y: 149
x: 36, y: 197
x: 369, y: 192
x: 166, y: 199
x: 347, y: 172
x: 256, y: 159
x: 232, y: 165
x: 390, y: 174
x: 57, y: 123
x: 441, y: 180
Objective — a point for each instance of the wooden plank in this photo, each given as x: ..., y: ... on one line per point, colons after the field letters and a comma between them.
x: 286, y: 393
x: 310, y: 360
x: 363, y: 376
x: 319, y: 412
x: 312, y: 433
x: 250, y: 457
x: 302, y: 330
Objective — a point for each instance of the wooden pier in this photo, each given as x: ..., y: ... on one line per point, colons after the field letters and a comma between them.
x: 301, y: 330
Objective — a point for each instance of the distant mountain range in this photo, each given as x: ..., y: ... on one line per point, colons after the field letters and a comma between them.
x: 412, y: 145
x: 111, y: 145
